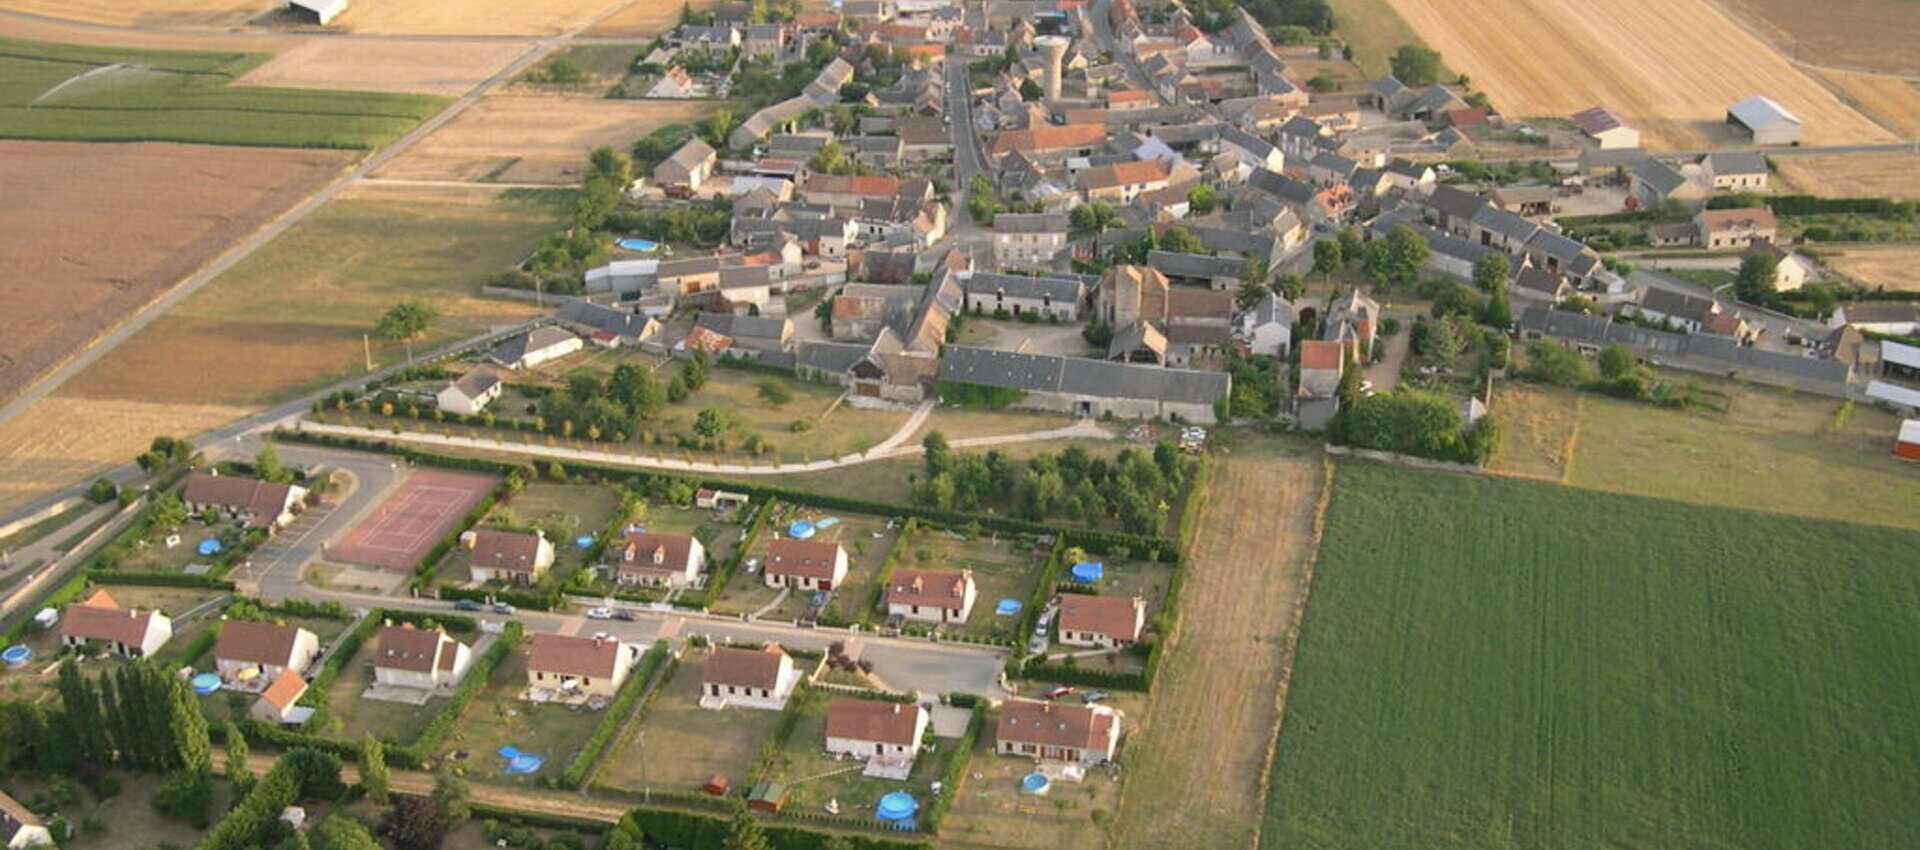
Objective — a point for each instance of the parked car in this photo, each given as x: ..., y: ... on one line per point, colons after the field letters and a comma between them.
x: 1058, y: 691
x: 466, y: 605
x: 600, y: 613
x: 623, y: 615
x: 1092, y: 697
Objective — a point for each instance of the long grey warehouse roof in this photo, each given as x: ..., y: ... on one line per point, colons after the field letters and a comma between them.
x: 1077, y: 376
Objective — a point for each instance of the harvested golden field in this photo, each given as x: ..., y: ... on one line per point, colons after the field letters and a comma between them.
x: 1197, y: 763
x: 1878, y: 266
x: 1891, y: 175
x: 650, y: 17
x: 450, y: 68
x: 43, y: 29
x: 61, y: 439
x: 93, y: 232
x: 1671, y: 66
x: 1868, y: 35
x: 1538, y: 426
x: 479, y: 17
x: 146, y: 13
x: 524, y: 138
x: 295, y: 311
x: 1892, y: 101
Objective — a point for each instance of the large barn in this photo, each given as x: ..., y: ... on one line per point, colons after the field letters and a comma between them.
x: 1765, y: 120
x: 321, y: 12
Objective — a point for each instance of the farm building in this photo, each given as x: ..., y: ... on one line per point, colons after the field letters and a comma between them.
x: 749, y: 678
x: 1907, y: 445
x: 123, y: 631
x: 1047, y: 297
x: 317, y: 12
x: 508, y: 556
x: 1086, y: 734
x: 426, y: 659
x: 932, y: 596
x: 1089, y: 387
x: 566, y: 668
x: 1102, y: 621
x: 1607, y: 129
x: 20, y: 826
x: 250, y: 655
x: 1766, y: 121
x: 656, y: 559
x: 470, y: 393
x: 688, y: 166
x: 887, y: 734
x: 805, y: 564
x: 1899, y: 318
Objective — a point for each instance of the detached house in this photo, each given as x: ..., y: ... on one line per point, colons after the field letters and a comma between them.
x: 1028, y: 240
x: 470, y: 393
x: 123, y: 631
x: 886, y: 734
x: 931, y: 596
x: 508, y: 556
x: 805, y: 565
x: 565, y: 668
x: 1735, y: 228
x: 651, y: 559
x: 530, y: 350
x: 1102, y: 621
x: 250, y: 655
x: 1049, y: 731
x: 1123, y: 181
x: 19, y: 827
x: 1268, y: 327
x: 249, y: 501
x: 1735, y: 171
x: 427, y: 659
x: 749, y: 678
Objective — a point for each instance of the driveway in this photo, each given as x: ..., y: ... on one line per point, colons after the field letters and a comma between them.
x: 1385, y: 374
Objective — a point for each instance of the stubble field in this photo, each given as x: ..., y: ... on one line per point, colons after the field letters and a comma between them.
x: 146, y: 13
x: 513, y: 138
x: 1671, y: 66
x: 478, y: 17
x: 1193, y: 767
x: 76, y: 272
x: 62, y: 440
x: 649, y: 17
x: 1867, y: 175
x: 1892, y: 101
x: 1868, y: 35
x: 1879, y: 266
x: 449, y: 68
x: 1498, y: 663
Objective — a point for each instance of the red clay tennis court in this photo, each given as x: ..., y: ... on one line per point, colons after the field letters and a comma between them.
x: 404, y: 528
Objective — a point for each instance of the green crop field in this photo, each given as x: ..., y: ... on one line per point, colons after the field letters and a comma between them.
x: 1490, y: 663
x: 62, y: 92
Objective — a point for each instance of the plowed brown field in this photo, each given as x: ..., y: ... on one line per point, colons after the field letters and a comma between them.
x: 92, y: 232
x: 1671, y: 66
x: 1867, y: 35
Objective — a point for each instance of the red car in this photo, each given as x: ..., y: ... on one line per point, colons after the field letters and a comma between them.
x: 1058, y: 691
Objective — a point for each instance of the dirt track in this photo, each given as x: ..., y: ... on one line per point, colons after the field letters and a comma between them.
x: 1672, y: 66
x: 1194, y: 770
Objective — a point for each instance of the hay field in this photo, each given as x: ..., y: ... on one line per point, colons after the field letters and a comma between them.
x: 1672, y: 66
x: 91, y: 233
x: 1892, y: 101
x: 60, y: 440
x: 1893, y: 175
x: 146, y: 13
x: 449, y: 68
x: 1877, y: 266
x: 1868, y: 35
x: 1491, y: 663
x: 478, y: 17
x: 652, y: 17
x: 522, y: 138
x: 1193, y: 765
x: 294, y: 312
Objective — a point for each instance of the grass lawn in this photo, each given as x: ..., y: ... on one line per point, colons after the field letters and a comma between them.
x: 959, y: 423
x: 680, y: 744
x: 1375, y: 31
x: 181, y: 96
x: 990, y: 810
x: 296, y: 310
x: 41, y: 530
x: 1537, y: 429
x: 562, y: 511
x: 152, y: 554
x: 1497, y: 663
x: 819, y: 776
x: 865, y: 556
x: 1002, y: 569
x: 354, y: 716
x: 127, y: 819
x: 497, y: 717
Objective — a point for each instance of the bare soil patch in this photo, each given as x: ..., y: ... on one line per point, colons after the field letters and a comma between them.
x: 1194, y: 766
x: 1869, y: 35
x: 1891, y: 175
x: 478, y: 17
x: 93, y: 232
x: 449, y: 68
x: 1879, y: 266
x: 1672, y: 66
x: 62, y: 439
x: 535, y: 138
x: 146, y: 13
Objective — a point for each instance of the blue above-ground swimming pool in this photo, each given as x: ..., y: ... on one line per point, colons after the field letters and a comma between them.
x: 1088, y: 572
x: 584, y: 541
x: 800, y: 530
x: 896, y: 806
x: 1007, y: 607
x: 1035, y: 783
x: 16, y: 655
x: 638, y: 245
x: 205, y: 683
x: 209, y: 546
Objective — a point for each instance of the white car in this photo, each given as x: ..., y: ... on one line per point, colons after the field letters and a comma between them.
x: 601, y: 613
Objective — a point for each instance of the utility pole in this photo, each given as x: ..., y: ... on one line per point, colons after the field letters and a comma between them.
x: 366, y: 342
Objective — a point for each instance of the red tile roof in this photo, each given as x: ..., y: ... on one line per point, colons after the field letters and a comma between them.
x: 652, y: 552
x: 1055, y: 724
x: 748, y: 668
x: 284, y: 691
x: 255, y: 643
x: 414, y: 650
x: 574, y: 656
x: 802, y: 558
x: 505, y: 550
x: 873, y: 720
x: 1114, y: 616
x: 264, y: 499
x: 1320, y: 354
x: 100, y: 618
x: 1048, y: 139
x: 929, y: 587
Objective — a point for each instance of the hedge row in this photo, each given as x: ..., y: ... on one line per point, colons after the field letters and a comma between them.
x: 957, y: 768
x: 718, y: 581
x: 532, y: 600
x: 250, y: 822
x: 1073, y: 674
x: 61, y: 596
x: 200, y: 644
x: 1151, y: 547
x: 1042, y: 590
x: 322, y: 682
x: 610, y: 720
x: 1810, y: 205
x: 146, y: 579
x: 695, y: 831
x: 543, y: 820
x: 442, y: 724
x: 782, y: 731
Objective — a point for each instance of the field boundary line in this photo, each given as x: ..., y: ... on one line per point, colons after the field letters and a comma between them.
x: 1290, y: 644
x: 1572, y: 443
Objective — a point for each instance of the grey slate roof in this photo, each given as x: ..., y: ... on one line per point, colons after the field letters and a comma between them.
x: 1030, y: 223
x: 1060, y: 290
x: 1272, y: 308
x: 1658, y: 175
x: 1555, y: 245
x: 1076, y: 376
x: 598, y: 317
x: 757, y: 327
x: 1678, y: 305
x: 1505, y: 223
x: 519, y: 346
x: 1174, y: 264
x: 1600, y: 330
x: 1455, y: 202
x: 831, y: 357
x: 1737, y: 162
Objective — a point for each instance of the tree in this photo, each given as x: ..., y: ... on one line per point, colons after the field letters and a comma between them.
x: 1754, y: 282
x: 166, y: 510
x: 1396, y: 258
x: 1552, y: 363
x: 1249, y: 295
x: 1180, y: 240
x: 1415, y: 65
x: 1350, y: 243
x: 407, y: 320
x: 744, y: 833
x: 1617, y: 361
x: 775, y: 392
x: 1200, y: 199
x: 415, y: 823
x: 238, y: 772
x: 373, y: 768
x: 1030, y: 91
x: 1498, y: 313
x: 1442, y: 341
x: 830, y: 160
x: 1290, y: 286
x: 266, y: 464
x: 451, y: 796
x: 1490, y: 272
x: 1328, y: 257
x: 340, y: 832
x: 102, y: 491
x: 936, y: 454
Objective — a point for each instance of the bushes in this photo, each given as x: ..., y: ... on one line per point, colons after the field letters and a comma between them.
x: 957, y: 768
x: 694, y: 831
x: 146, y: 579
x: 1410, y: 423
x: 576, y: 773
x: 1072, y: 674
x: 250, y: 823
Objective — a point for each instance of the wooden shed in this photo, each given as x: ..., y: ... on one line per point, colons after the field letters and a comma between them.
x: 767, y: 797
